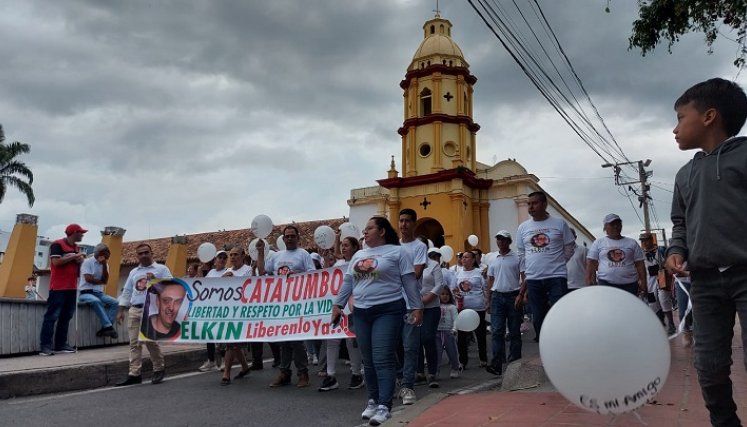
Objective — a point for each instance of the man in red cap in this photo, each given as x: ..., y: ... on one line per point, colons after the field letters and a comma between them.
x: 65, y: 260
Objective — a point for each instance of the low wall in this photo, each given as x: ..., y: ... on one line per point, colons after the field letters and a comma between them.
x: 21, y: 320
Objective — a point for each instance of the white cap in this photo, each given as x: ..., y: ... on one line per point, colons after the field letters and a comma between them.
x: 503, y: 233
x: 434, y: 251
x: 221, y: 252
x: 610, y: 218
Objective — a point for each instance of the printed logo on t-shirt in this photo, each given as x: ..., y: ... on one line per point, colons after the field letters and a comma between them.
x: 616, y: 257
x: 141, y: 283
x: 465, y: 286
x: 539, y: 242
x: 284, y: 270
x: 366, y: 269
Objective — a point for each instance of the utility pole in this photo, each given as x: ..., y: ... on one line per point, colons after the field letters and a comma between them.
x: 643, y: 175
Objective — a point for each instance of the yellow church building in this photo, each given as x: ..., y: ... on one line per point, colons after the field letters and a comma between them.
x: 453, y: 194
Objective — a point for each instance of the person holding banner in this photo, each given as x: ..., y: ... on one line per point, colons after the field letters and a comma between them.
x: 348, y: 247
x: 235, y: 350
x: 132, y: 301
x: 291, y: 260
x: 377, y: 277
x: 219, y: 267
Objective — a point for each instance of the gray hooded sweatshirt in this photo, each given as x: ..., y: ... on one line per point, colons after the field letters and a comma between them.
x: 709, y: 208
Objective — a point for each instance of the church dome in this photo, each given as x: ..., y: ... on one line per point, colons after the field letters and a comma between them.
x: 437, y: 46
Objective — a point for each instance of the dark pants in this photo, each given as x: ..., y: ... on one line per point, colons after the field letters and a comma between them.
x: 294, y: 351
x: 378, y: 328
x: 502, y: 312
x: 258, y: 351
x: 627, y: 287
x: 429, y: 341
x: 60, y: 309
x: 542, y: 294
x: 481, y: 335
x: 716, y: 298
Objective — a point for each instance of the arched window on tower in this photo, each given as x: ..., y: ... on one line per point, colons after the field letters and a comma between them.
x: 425, y: 102
x: 433, y: 29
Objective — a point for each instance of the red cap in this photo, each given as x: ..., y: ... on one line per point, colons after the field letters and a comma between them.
x: 74, y: 228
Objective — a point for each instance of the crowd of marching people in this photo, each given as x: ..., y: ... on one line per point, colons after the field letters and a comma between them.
x: 403, y: 303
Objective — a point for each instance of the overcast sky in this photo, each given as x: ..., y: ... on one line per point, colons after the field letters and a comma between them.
x: 176, y: 117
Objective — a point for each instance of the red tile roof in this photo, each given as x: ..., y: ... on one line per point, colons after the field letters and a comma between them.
x: 223, y: 239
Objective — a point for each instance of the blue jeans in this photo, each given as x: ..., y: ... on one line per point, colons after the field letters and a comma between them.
x: 103, y: 305
x: 409, y: 359
x: 60, y: 309
x: 717, y: 297
x: 682, y: 301
x: 542, y: 294
x: 627, y: 287
x: 429, y: 341
x: 384, y: 322
x: 503, y: 311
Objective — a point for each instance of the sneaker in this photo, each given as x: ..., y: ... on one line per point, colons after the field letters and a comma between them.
x: 158, y: 377
x: 408, y: 396
x: 432, y: 382
x: 420, y: 378
x: 493, y: 370
x: 46, y: 351
x: 314, y: 360
x: 207, y: 366
x: 370, y: 410
x: 329, y: 383
x: 454, y: 373
x: 281, y: 380
x: 66, y: 349
x: 356, y: 382
x: 382, y: 414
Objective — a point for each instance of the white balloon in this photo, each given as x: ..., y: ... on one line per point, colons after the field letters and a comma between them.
x: 349, y: 230
x: 280, y: 243
x: 467, y: 320
x: 594, y: 371
x: 254, y: 253
x: 206, y: 252
x: 473, y: 240
x: 447, y: 253
x: 324, y: 237
x: 430, y: 244
x: 261, y: 226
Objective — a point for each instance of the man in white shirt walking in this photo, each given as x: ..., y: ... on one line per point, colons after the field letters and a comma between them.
x: 504, y: 303
x: 131, y: 301
x: 545, y: 243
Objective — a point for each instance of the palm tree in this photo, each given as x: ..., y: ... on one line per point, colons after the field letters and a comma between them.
x: 12, y: 171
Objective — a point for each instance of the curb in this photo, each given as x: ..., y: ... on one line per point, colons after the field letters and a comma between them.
x: 528, y: 374
x: 85, y: 377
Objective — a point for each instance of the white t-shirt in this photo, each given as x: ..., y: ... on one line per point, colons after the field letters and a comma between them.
x: 473, y: 290
x: 505, y: 270
x: 418, y: 251
x: 216, y: 273
x: 289, y: 261
x: 449, y: 277
x: 136, y: 286
x: 616, y: 259
x: 577, y: 268
x: 541, y: 245
x: 374, y: 276
x: 243, y: 271
x: 433, y: 282
x: 95, y: 269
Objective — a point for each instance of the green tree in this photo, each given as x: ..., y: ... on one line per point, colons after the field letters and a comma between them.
x: 670, y: 19
x: 13, y: 171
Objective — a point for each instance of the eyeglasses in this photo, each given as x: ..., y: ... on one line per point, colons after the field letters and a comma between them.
x: 144, y: 253
x: 290, y: 236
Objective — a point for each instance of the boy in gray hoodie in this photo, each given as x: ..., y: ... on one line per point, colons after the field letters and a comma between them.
x: 709, y: 231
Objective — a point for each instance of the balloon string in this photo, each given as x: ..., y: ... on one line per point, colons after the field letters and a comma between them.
x: 681, y: 327
x: 637, y: 415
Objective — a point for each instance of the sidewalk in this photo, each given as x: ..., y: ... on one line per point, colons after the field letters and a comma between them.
x: 678, y: 404
x: 86, y: 369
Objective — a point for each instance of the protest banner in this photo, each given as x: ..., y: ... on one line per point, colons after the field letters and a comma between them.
x: 242, y: 309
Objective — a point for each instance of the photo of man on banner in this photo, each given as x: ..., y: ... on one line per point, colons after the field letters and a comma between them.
x: 164, y: 310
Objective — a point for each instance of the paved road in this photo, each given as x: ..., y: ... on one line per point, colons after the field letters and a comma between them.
x: 198, y: 399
